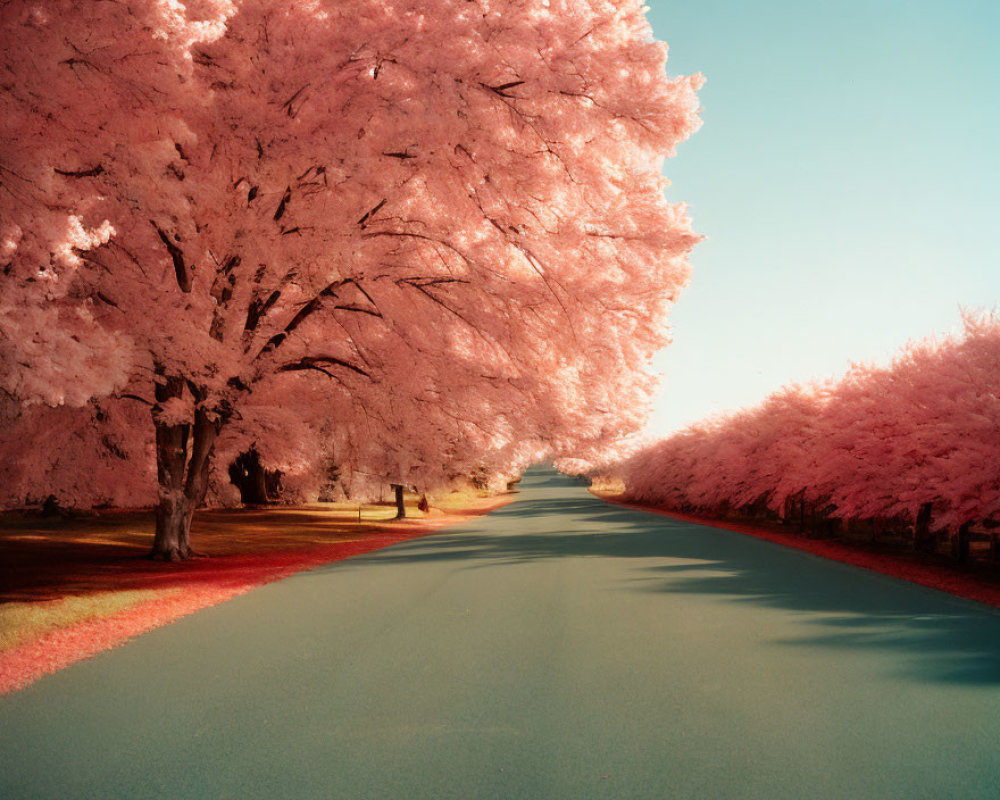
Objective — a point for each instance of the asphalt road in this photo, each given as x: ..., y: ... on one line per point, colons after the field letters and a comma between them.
x: 558, y: 648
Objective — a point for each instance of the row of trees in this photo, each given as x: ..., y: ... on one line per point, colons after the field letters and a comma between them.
x: 915, y: 445
x: 411, y: 239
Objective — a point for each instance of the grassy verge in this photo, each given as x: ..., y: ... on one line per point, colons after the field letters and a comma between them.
x: 70, y: 588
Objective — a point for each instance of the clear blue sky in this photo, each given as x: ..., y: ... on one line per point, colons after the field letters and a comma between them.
x: 847, y: 177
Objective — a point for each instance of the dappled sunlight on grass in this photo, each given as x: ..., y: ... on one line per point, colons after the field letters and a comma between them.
x: 20, y: 622
x: 71, y: 587
x: 224, y: 532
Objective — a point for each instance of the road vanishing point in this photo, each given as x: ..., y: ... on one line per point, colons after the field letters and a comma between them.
x: 560, y: 647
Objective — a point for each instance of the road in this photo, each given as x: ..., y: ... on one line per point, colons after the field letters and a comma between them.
x: 558, y: 648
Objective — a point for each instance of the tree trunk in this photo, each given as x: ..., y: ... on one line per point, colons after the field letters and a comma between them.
x: 247, y: 474
x: 994, y: 553
x: 960, y: 544
x: 400, y: 506
x: 923, y: 539
x: 183, y: 455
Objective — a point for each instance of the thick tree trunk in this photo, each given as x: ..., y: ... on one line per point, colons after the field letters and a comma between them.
x: 183, y: 455
x: 923, y: 539
x: 250, y: 477
x: 400, y: 506
x: 170, y: 542
x: 173, y: 529
x: 258, y: 486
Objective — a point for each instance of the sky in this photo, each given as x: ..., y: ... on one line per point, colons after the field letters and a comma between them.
x: 847, y: 178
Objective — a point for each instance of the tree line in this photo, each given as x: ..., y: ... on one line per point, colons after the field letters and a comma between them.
x: 911, y: 449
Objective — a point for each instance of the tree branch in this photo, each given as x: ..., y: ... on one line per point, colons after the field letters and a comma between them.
x: 359, y: 310
x: 371, y: 213
x: 502, y: 88
x: 257, y: 309
x: 92, y: 172
x: 318, y: 362
x: 180, y: 271
x: 301, y: 316
x: 283, y: 204
x: 136, y: 397
x: 290, y: 109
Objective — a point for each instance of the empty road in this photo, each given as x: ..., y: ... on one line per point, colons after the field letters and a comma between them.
x: 557, y: 648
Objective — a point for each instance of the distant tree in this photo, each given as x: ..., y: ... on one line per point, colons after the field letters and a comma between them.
x: 446, y: 211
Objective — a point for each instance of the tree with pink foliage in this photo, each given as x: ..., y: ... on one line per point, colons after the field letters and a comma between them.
x: 443, y: 223
x: 918, y: 440
x: 42, y: 449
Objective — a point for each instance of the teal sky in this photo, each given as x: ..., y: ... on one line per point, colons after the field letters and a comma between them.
x: 847, y: 177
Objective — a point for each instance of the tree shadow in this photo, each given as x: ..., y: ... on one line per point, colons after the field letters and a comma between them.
x: 933, y: 636
x: 48, y: 559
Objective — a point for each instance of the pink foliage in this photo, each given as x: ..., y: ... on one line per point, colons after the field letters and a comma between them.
x: 880, y: 442
x: 97, y: 455
x: 430, y: 236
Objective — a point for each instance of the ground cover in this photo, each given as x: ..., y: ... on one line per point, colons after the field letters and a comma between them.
x: 72, y: 587
x: 924, y: 569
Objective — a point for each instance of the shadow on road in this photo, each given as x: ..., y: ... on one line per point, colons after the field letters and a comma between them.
x: 937, y: 637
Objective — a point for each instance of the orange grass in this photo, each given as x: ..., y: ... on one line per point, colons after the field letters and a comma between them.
x: 72, y: 588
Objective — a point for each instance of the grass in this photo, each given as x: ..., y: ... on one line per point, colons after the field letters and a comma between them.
x: 70, y: 587
x: 23, y: 622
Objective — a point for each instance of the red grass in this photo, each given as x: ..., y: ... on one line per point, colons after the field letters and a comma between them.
x: 205, y: 582
x: 934, y: 576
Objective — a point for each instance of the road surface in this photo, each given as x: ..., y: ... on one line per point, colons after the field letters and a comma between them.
x: 558, y: 648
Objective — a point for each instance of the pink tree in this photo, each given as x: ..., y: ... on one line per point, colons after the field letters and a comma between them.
x: 916, y: 440
x: 920, y: 436
x: 208, y: 208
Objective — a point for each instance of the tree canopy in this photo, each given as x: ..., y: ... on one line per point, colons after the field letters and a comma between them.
x: 433, y: 234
